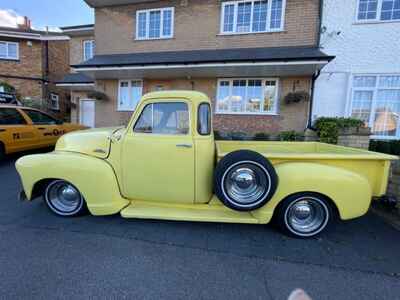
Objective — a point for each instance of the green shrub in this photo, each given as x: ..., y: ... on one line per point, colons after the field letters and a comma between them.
x: 261, y: 136
x: 290, y: 136
x: 388, y: 147
x: 328, y: 128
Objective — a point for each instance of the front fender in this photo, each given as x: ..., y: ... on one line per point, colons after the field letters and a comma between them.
x: 349, y: 191
x: 94, y: 177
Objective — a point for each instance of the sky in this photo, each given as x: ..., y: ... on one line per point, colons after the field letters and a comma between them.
x: 52, y: 13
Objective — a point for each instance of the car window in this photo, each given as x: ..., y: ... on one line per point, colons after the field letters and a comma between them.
x: 40, y: 118
x: 164, y: 118
x: 10, y: 116
x: 204, y: 119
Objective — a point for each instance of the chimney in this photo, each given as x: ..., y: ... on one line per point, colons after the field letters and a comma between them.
x: 26, y: 24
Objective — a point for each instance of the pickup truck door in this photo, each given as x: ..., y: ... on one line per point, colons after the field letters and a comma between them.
x: 158, y: 155
x: 47, y: 127
x: 15, y: 132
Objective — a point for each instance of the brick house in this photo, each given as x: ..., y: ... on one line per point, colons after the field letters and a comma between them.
x: 247, y: 56
x: 31, y: 61
x: 79, y: 85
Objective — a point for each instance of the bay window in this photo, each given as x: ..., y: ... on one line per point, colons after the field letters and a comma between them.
x: 375, y: 99
x: 129, y: 94
x: 252, y: 16
x: 378, y: 10
x: 9, y: 50
x: 155, y: 23
x: 247, y: 96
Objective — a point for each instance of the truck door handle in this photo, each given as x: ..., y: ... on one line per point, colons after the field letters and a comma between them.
x: 41, y: 128
x: 184, y: 145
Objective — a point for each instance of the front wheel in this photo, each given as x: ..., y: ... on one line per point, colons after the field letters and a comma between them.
x: 303, y: 215
x: 64, y: 199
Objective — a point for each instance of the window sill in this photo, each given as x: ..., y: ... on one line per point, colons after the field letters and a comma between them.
x: 248, y: 113
x: 125, y: 110
x: 10, y: 59
x: 250, y: 33
x: 152, y: 39
x: 375, y: 22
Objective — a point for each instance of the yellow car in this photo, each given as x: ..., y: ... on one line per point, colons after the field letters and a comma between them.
x: 166, y: 165
x: 23, y: 128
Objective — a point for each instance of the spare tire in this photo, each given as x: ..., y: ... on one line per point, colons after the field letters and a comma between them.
x: 245, y: 180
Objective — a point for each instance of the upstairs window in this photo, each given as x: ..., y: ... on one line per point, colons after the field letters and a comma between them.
x: 155, y: 23
x: 89, y: 47
x: 378, y: 10
x: 252, y: 16
x: 9, y: 50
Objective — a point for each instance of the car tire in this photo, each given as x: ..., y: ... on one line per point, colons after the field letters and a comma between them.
x: 303, y: 215
x: 64, y: 199
x: 245, y: 180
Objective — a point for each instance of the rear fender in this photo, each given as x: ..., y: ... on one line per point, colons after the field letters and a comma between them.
x: 350, y: 192
x: 94, y: 177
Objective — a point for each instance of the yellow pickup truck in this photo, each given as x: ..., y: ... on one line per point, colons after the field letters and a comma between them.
x: 24, y: 128
x: 166, y: 165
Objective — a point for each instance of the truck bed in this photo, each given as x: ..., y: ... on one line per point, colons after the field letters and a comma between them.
x: 371, y: 165
x: 299, y: 150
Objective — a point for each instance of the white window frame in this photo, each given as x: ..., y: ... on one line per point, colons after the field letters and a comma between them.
x: 374, y: 99
x: 147, y: 12
x: 378, y: 15
x: 7, y: 57
x: 54, y: 99
x: 123, y: 108
x: 92, y: 44
x: 268, y: 21
x: 270, y: 113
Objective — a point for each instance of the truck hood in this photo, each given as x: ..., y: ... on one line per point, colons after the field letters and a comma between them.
x: 94, y: 142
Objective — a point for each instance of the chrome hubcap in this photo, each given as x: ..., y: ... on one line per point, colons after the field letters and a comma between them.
x: 246, y: 183
x: 307, y: 215
x: 63, y: 196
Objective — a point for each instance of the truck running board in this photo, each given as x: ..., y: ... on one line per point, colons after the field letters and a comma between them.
x: 186, y: 212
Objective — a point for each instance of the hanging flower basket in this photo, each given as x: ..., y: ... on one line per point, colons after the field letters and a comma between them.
x: 296, y: 97
x: 97, y: 95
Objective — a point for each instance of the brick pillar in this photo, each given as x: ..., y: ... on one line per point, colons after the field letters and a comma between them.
x: 354, y: 137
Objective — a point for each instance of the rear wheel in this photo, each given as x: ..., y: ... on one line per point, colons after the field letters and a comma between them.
x: 304, y: 215
x: 64, y: 199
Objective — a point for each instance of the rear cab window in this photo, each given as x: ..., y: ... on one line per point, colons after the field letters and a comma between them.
x: 11, y: 116
x: 167, y: 118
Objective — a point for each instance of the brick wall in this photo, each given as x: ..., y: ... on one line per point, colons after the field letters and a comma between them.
x: 290, y: 117
x: 76, y: 48
x: 197, y: 26
x: 356, y: 138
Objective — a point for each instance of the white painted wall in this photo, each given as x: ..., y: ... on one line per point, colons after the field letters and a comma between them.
x: 359, y: 48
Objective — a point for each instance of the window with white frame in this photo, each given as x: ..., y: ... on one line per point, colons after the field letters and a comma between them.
x: 129, y: 94
x: 54, y: 102
x: 252, y: 16
x: 9, y: 50
x: 155, y: 23
x: 378, y: 10
x: 247, y: 96
x: 375, y: 99
x: 89, y: 47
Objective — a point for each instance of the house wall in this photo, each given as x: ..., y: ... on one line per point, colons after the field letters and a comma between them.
x: 76, y: 48
x: 359, y: 48
x: 290, y: 117
x: 197, y: 26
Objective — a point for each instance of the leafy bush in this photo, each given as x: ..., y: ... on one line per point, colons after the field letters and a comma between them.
x: 8, y: 88
x: 261, y: 136
x: 328, y: 128
x: 388, y: 147
x: 291, y: 136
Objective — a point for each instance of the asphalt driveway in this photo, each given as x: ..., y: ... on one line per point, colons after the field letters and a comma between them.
x: 44, y: 256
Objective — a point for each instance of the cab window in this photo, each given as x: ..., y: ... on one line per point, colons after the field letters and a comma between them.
x: 204, y: 119
x: 10, y: 116
x: 39, y: 118
x: 164, y: 118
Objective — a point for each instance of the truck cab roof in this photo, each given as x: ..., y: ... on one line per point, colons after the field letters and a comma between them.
x: 193, y: 96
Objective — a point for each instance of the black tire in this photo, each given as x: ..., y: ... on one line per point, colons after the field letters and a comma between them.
x: 296, y: 211
x: 68, y: 204
x: 239, y: 169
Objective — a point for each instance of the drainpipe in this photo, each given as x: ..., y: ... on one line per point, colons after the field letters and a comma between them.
x: 315, y: 75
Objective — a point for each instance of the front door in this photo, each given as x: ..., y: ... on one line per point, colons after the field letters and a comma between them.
x: 158, y: 155
x: 87, y: 112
